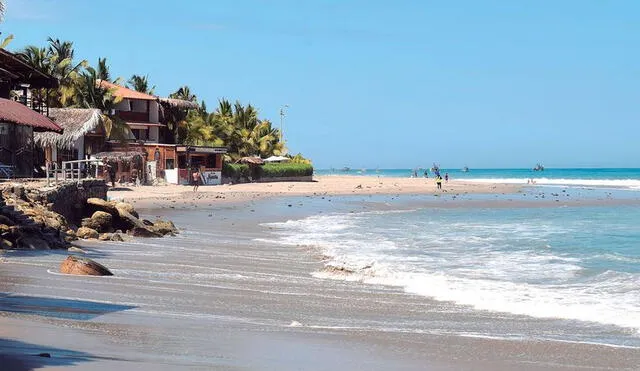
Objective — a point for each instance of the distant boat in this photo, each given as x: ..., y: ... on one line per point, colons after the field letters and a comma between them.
x: 465, y: 169
x: 345, y: 169
x: 538, y: 167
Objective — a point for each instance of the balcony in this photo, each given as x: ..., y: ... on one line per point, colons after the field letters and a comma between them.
x: 132, y: 116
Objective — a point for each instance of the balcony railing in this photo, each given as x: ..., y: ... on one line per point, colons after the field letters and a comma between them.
x: 35, y: 104
x: 131, y: 116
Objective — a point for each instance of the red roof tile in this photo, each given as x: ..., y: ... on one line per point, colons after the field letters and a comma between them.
x: 121, y: 91
x: 16, y: 113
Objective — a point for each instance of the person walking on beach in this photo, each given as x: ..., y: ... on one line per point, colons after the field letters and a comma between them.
x: 195, y: 176
x: 439, y: 182
x: 446, y: 177
x: 111, y: 171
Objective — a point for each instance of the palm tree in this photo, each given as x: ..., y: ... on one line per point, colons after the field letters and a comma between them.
x: 2, y: 10
x: 38, y: 58
x: 56, y: 60
x: 141, y: 84
x: 184, y: 93
x: 90, y: 94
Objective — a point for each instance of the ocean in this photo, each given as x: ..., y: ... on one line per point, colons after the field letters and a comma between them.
x: 579, y: 264
x: 624, y: 178
x: 497, y: 281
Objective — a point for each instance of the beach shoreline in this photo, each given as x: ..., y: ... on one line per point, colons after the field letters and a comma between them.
x: 248, y: 291
x: 326, y: 185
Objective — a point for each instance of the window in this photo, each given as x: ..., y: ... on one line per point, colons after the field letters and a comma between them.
x: 211, y: 161
x: 170, y: 164
x: 140, y: 134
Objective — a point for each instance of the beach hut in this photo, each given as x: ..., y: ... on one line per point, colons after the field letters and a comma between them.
x: 17, y: 125
x: 83, y: 135
x: 129, y: 165
x: 207, y: 159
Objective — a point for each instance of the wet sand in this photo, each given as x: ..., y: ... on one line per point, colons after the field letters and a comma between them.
x: 214, y: 298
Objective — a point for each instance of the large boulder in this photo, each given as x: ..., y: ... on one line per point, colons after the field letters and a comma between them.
x: 127, y: 207
x: 90, y: 223
x: 83, y: 266
x: 55, y: 223
x: 103, y: 221
x: 33, y: 243
x: 98, y: 204
x: 127, y: 221
x: 163, y: 227
x: 86, y: 233
x: 143, y: 232
x: 117, y: 237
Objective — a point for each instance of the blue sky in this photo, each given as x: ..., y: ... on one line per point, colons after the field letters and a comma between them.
x: 389, y: 84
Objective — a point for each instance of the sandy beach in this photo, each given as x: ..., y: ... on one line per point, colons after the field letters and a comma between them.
x: 223, y: 296
x: 328, y: 185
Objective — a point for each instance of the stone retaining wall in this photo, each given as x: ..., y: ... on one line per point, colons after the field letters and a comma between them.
x: 70, y: 199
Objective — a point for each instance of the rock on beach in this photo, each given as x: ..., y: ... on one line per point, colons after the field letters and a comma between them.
x: 83, y: 266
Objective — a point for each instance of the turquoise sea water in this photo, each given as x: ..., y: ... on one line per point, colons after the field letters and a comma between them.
x: 624, y: 178
x: 571, y: 263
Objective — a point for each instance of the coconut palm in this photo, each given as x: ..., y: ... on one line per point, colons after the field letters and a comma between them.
x: 63, y: 67
x: 56, y: 60
x: 184, y: 93
x: 141, y: 84
x: 90, y: 94
x: 6, y: 41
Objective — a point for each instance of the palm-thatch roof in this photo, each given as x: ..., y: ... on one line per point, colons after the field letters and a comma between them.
x: 119, y: 156
x: 76, y: 122
x: 251, y: 160
x: 179, y: 103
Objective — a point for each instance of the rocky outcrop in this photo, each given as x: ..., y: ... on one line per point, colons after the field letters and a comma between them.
x: 83, y: 266
x: 27, y: 224
x: 124, y: 218
x: 87, y: 233
x: 143, y: 232
x: 100, y: 221
x: 163, y: 227
x: 28, y: 218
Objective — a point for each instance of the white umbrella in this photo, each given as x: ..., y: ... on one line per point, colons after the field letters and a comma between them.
x: 277, y: 159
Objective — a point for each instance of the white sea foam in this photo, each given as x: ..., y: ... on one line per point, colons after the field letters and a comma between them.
x: 615, y: 183
x: 501, y: 267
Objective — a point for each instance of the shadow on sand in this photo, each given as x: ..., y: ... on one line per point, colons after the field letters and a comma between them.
x: 16, y: 355
x: 79, y: 310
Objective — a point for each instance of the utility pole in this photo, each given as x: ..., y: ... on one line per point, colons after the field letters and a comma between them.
x: 282, y: 115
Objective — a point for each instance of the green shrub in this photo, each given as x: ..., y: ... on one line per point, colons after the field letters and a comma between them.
x: 235, y: 171
x: 281, y: 170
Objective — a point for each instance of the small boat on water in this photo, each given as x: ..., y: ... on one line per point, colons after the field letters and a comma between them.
x: 538, y: 167
x: 346, y: 169
x: 465, y: 169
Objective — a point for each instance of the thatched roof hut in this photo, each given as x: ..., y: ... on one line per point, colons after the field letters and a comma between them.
x: 128, y: 156
x: 76, y: 123
x: 179, y: 103
x: 251, y: 160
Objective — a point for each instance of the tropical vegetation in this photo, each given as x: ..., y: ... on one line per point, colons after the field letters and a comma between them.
x: 233, y: 125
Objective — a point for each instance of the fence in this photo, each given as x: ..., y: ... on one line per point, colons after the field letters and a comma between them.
x: 76, y: 170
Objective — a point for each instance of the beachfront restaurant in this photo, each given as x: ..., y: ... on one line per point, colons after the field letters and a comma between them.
x: 207, y: 159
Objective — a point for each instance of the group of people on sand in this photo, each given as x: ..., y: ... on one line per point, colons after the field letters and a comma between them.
x: 438, y: 177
